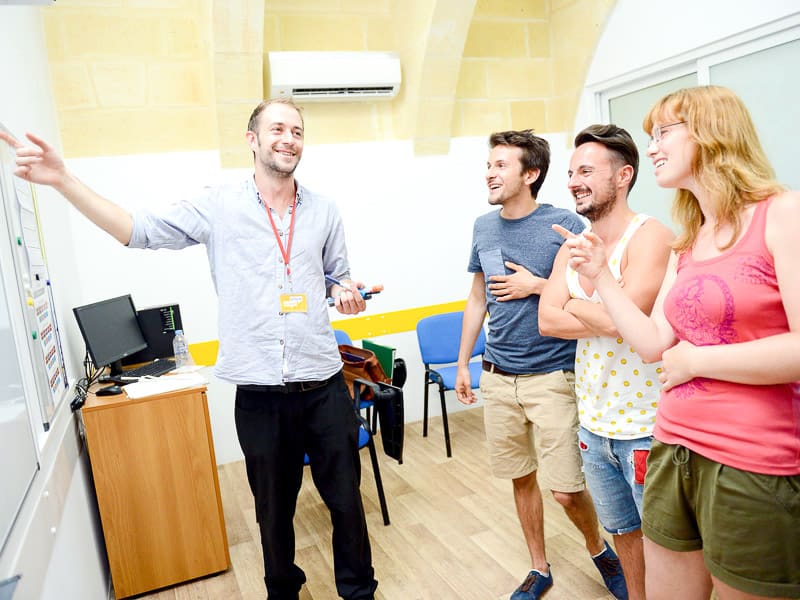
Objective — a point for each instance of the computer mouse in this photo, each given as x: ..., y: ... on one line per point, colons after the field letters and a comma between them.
x: 111, y: 390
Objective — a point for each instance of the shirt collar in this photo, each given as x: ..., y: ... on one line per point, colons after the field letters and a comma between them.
x: 299, y: 194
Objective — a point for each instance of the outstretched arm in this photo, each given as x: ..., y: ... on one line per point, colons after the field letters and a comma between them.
x: 40, y: 163
x: 471, y: 325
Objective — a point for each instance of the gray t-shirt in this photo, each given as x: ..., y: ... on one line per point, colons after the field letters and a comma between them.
x: 514, y: 343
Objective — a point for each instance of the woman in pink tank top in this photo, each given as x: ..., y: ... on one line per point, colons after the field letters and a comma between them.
x: 722, y: 490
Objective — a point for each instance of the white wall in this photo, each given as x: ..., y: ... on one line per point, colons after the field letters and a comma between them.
x: 422, y: 209
x: 408, y: 223
x: 54, y: 541
x: 645, y: 35
x: 408, y: 220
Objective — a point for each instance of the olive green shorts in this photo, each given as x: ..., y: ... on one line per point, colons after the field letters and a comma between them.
x: 746, y: 524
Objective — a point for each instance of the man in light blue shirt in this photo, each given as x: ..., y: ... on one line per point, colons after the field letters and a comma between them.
x: 270, y: 243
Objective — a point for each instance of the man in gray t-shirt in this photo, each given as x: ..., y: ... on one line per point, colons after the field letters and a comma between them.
x: 528, y: 382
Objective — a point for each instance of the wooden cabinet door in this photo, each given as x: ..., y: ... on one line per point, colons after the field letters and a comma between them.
x: 156, y: 479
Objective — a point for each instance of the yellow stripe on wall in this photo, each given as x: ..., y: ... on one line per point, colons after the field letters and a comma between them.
x: 393, y: 322
x: 205, y: 353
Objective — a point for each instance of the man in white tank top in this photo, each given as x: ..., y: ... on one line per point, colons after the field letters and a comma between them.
x: 617, y: 393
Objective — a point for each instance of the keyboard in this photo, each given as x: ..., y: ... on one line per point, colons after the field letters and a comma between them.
x: 151, y: 369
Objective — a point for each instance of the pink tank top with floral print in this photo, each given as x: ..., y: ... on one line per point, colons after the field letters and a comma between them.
x: 729, y: 299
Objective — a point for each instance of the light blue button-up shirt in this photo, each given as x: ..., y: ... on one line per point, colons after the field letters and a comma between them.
x: 259, y: 344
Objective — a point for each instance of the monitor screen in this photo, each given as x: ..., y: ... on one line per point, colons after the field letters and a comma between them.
x: 110, y: 330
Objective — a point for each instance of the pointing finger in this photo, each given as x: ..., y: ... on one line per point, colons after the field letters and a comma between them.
x: 563, y: 232
x: 39, y: 142
x: 10, y: 140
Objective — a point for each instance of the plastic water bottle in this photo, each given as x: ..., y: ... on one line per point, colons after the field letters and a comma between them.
x: 180, y: 350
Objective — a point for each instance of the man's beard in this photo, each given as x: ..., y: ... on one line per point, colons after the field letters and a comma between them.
x: 272, y: 166
x: 277, y: 170
x: 594, y: 212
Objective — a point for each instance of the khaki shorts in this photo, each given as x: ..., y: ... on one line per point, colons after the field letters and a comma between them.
x: 529, y: 414
x: 746, y: 524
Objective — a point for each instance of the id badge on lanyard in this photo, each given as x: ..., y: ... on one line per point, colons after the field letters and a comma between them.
x: 293, y: 301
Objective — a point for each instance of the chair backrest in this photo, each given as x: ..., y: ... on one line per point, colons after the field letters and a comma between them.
x: 391, y: 413
x: 439, y: 337
x: 342, y: 337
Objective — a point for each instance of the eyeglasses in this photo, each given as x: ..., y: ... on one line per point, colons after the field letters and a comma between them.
x: 659, y: 130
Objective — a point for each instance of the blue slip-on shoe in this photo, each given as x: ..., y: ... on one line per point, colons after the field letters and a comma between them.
x: 610, y: 568
x: 535, y: 586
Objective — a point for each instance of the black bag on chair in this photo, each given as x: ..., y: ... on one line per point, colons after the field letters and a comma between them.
x: 389, y: 404
x: 399, y: 372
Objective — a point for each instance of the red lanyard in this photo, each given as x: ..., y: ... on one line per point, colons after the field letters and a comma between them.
x: 285, y: 251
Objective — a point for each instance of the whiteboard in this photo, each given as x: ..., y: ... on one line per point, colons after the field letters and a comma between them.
x: 33, y: 379
x: 18, y: 463
x: 28, y: 284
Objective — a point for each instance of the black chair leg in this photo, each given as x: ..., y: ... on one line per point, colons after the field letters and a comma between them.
x: 373, y: 455
x: 372, y: 418
x: 444, y: 422
x: 425, y: 409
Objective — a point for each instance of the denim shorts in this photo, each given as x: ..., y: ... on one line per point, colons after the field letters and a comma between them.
x: 614, y: 471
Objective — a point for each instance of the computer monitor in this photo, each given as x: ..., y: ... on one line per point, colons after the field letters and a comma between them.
x: 111, y: 331
x: 158, y: 325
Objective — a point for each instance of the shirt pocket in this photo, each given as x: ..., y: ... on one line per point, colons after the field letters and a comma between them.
x: 492, y: 262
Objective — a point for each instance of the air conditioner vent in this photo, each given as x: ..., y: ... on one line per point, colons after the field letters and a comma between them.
x: 343, y: 91
x: 334, y: 76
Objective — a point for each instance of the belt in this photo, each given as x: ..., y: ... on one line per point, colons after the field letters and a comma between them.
x: 492, y: 368
x: 289, y: 387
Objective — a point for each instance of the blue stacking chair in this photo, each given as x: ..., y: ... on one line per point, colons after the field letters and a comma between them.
x: 439, y: 337
x: 365, y: 440
x: 342, y: 337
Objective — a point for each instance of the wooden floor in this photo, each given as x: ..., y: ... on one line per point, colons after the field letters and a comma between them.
x: 454, y: 531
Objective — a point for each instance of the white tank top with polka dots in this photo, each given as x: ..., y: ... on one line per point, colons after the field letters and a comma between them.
x: 617, y: 393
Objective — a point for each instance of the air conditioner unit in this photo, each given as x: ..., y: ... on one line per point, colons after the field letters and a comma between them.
x: 334, y: 76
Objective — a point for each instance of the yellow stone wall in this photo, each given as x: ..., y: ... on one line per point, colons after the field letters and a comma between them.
x: 133, y: 76
x: 334, y: 25
x: 238, y: 55
x: 524, y: 64
x: 575, y: 27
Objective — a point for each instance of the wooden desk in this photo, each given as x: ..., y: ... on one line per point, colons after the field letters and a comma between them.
x: 157, y: 488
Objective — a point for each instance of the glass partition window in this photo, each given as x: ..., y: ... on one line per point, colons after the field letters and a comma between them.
x: 628, y: 112
x: 760, y: 71
x: 767, y: 84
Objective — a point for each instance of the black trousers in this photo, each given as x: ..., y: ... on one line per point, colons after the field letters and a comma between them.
x: 275, y: 430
